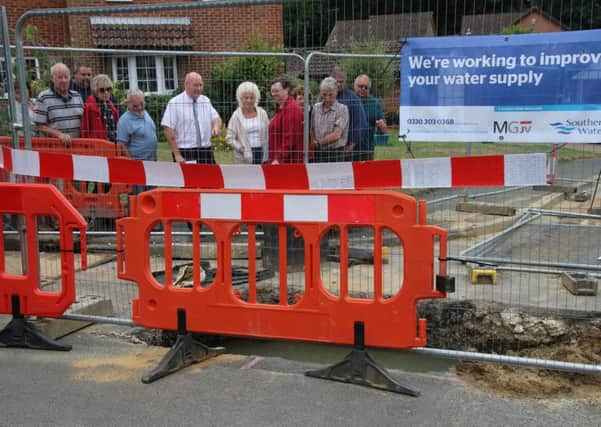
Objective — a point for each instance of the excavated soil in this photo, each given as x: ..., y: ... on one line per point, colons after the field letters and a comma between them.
x: 518, y: 382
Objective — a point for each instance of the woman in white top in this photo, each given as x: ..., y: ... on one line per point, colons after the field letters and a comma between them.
x: 247, y: 130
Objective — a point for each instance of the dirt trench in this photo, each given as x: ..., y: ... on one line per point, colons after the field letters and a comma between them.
x: 513, y: 331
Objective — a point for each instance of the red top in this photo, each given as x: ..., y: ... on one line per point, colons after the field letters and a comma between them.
x: 286, y: 133
x: 92, y: 124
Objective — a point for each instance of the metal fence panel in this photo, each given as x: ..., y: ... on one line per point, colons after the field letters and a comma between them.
x: 348, y: 34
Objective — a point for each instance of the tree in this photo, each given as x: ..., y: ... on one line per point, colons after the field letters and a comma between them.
x: 226, y: 76
x: 379, y: 70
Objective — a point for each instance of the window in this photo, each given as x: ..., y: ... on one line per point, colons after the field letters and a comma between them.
x: 31, y: 65
x: 151, y: 74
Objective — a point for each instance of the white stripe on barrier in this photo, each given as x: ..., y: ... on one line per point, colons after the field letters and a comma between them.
x: 90, y: 168
x: 331, y: 176
x: 164, y: 174
x: 2, y: 158
x: 26, y: 163
x: 246, y: 177
x: 523, y: 169
x: 520, y: 170
x: 221, y: 206
x: 305, y: 208
x: 426, y: 173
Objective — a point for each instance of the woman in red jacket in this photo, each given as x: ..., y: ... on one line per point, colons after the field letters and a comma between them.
x: 286, y: 126
x: 100, y: 115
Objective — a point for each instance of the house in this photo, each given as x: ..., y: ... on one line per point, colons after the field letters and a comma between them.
x: 493, y: 23
x: 386, y: 31
x: 197, y: 29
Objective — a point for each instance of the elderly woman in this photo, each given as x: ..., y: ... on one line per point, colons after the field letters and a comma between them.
x: 247, y: 130
x: 329, y: 124
x: 100, y: 115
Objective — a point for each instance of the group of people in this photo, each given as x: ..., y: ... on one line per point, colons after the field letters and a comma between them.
x: 342, y: 124
x: 84, y: 107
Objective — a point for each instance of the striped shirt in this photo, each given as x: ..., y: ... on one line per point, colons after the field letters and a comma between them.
x: 60, y: 113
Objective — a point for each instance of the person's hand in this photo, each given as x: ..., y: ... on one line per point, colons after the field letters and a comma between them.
x: 380, y: 124
x: 65, y: 138
x: 179, y: 158
x: 349, y: 147
x: 241, y: 150
x: 275, y: 162
x: 215, y: 131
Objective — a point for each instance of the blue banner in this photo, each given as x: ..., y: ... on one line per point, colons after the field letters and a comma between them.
x: 543, y: 88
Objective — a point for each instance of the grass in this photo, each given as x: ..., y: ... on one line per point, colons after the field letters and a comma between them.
x: 398, y: 150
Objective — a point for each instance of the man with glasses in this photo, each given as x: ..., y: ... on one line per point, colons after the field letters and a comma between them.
x: 357, y: 134
x: 59, y: 110
x: 373, y: 110
x: 137, y: 131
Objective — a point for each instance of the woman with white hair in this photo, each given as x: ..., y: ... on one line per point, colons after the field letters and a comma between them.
x: 247, y: 130
x: 100, y: 115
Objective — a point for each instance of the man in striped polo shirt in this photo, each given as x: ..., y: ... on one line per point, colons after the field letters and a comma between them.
x: 58, y: 110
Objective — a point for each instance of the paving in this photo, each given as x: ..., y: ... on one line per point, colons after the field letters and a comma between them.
x: 98, y: 384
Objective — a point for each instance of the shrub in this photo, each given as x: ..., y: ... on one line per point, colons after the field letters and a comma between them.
x: 226, y: 76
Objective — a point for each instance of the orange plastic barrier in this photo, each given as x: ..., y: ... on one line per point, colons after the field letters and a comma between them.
x: 94, y: 200
x: 31, y: 201
x: 317, y: 315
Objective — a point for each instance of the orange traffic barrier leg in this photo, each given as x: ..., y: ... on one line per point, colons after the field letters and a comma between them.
x: 23, y: 334
x: 186, y: 351
x: 358, y: 367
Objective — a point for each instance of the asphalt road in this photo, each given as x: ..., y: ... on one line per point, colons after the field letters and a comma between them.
x: 98, y: 384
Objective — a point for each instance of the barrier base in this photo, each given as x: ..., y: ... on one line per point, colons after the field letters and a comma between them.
x: 358, y: 367
x: 21, y: 333
x: 186, y: 351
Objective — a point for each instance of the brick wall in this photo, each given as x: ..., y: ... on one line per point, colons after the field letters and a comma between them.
x: 52, y: 31
x: 213, y: 29
x: 538, y: 23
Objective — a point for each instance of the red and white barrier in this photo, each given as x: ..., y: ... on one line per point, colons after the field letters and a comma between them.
x: 267, y: 207
x: 477, y: 171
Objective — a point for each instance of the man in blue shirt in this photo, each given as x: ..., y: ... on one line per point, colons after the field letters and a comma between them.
x: 373, y: 111
x: 357, y: 144
x: 137, y: 131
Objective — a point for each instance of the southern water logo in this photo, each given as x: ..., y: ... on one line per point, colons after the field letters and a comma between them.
x: 562, y: 128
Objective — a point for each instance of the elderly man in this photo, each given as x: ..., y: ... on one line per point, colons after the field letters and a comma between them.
x: 82, y: 75
x: 189, y: 123
x: 58, y: 110
x: 373, y: 110
x: 329, y: 125
x: 137, y: 131
x: 357, y: 135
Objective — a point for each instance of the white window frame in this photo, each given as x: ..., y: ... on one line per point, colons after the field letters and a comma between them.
x: 159, y: 62
x: 35, y: 69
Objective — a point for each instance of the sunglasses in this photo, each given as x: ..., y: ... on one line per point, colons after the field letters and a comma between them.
x: 105, y: 89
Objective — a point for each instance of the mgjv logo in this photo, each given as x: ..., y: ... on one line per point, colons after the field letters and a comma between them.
x: 522, y: 126
x: 562, y: 128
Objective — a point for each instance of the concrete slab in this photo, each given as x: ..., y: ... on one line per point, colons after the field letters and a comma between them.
x: 86, y: 304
